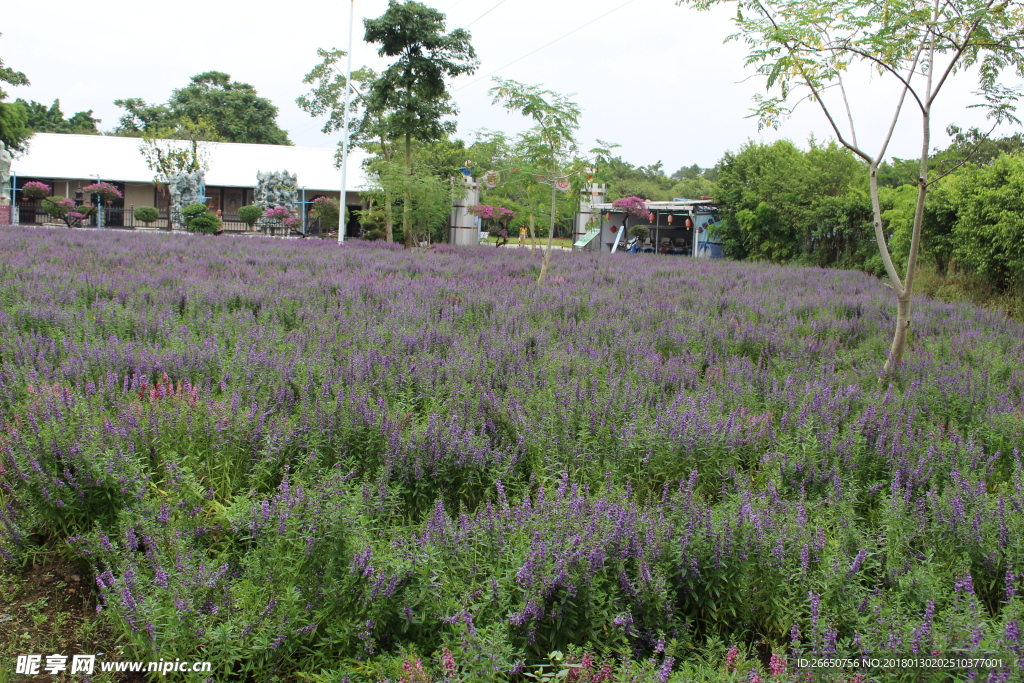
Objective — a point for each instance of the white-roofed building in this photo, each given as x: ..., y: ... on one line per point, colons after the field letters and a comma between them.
x: 68, y: 162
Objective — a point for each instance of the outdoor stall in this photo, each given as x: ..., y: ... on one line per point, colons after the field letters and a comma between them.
x: 681, y: 227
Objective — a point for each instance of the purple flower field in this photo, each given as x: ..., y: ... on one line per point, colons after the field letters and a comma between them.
x: 309, y: 462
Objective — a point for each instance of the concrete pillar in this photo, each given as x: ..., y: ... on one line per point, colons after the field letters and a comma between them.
x: 462, y: 225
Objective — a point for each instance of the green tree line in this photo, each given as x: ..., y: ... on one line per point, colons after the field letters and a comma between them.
x: 784, y: 204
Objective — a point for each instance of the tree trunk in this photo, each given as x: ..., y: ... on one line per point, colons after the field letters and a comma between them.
x: 389, y: 219
x: 905, y: 293
x: 533, y: 235
x: 407, y: 208
x: 551, y: 233
x: 899, y: 340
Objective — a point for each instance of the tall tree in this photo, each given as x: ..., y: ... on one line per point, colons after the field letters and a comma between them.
x: 326, y: 97
x: 14, y: 130
x: 552, y: 146
x: 808, y: 46
x: 233, y: 111
x: 182, y: 148
x: 43, y: 119
x: 410, y: 98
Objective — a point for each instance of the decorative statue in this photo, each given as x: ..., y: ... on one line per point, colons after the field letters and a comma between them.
x: 184, y: 189
x: 276, y: 188
x: 5, y: 175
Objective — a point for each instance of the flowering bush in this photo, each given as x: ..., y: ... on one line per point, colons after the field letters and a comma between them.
x: 500, y: 216
x: 35, y: 190
x: 282, y: 215
x: 633, y: 206
x: 495, y: 213
x: 105, y: 190
x: 277, y: 213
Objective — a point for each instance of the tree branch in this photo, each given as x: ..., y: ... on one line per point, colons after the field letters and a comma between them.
x: 967, y: 158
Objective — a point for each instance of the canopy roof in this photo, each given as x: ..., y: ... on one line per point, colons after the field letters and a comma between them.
x: 232, y: 164
x: 676, y: 205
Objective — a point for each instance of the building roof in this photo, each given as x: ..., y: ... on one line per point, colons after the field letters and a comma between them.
x: 232, y: 164
x: 680, y: 205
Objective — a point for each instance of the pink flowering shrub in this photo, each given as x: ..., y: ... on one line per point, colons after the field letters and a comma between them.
x: 65, y: 210
x: 499, y: 215
x: 35, y: 189
x: 496, y: 213
x: 278, y: 212
x: 633, y: 206
x: 105, y: 190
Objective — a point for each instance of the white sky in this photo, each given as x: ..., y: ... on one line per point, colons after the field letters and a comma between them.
x: 652, y: 77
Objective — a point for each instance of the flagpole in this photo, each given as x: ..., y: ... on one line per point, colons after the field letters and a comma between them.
x: 344, y: 144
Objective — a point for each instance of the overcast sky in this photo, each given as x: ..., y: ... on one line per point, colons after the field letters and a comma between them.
x: 653, y: 77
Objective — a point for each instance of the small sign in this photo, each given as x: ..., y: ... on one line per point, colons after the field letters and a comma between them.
x: 491, y: 179
x: 585, y: 240
x: 5, y: 214
x: 563, y: 184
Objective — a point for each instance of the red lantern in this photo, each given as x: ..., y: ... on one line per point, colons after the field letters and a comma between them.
x: 608, y: 216
x: 689, y: 223
x: 670, y: 219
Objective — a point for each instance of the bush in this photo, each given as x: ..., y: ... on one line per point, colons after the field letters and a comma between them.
x: 65, y: 210
x: 250, y: 214
x: 57, y: 206
x: 207, y: 224
x: 326, y: 209
x: 375, y: 234
x: 147, y: 214
x: 193, y: 210
x: 989, y: 232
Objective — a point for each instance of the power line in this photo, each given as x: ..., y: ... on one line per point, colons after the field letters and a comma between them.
x: 484, y: 14
x: 578, y: 28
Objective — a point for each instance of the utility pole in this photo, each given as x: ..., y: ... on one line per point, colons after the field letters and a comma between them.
x: 342, y: 210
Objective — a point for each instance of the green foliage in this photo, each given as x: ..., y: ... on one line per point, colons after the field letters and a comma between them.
x: 167, y: 157
x: 424, y: 197
x: 56, y: 206
x: 43, y: 119
x: 646, y: 182
x: 374, y: 234
x: 198, y: 219
x: 14, y: 129
x: 207, y: 224
x: 147, y: 214
x: 410, y: 98
x: 250, y: 214
x: 989, y: 231
x: 782, y: 204
x: 410, y: 95
x: 940, y: 213
x: 326, y: 209
x: 193, y: 210
x: 232, y: 110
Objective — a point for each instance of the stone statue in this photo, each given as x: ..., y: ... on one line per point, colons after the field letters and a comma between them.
x: 5, y: 175
x: 184, y: 189
x: 276, y: 188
